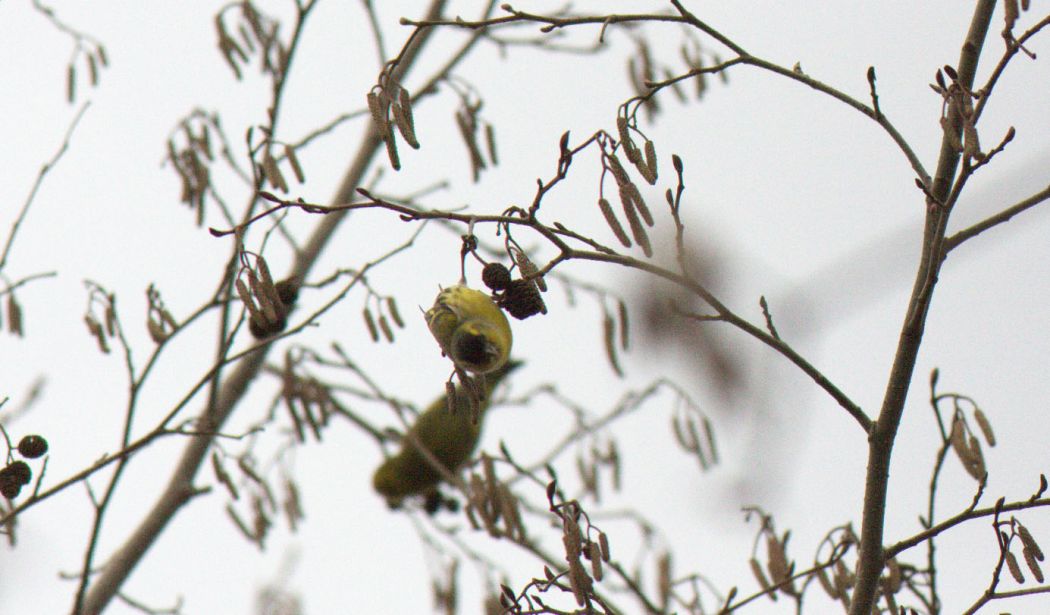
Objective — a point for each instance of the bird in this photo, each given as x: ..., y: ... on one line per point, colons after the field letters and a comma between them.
x: 470, y: 328
x: 450, y: 436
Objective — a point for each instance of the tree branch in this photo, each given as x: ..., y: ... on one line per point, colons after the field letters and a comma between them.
x: 970, y: 232
x: 880, y: 445
x: 180, y: 486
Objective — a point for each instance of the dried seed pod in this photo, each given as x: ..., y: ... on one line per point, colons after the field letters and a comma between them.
x: 625, y: 136
x: 467, y: 124
x: 509, y: 510
x: 156, y: 331
x: 971, y: 142
x: 92, y: 69
x: 683, y: 435
x: 293, y: 161
x: 1015, y: 569
x: 391, y: 306
x: 571, y: 537
x: 588, y: 477
x: 384, y: 326
x: 1033, y: 564
x: 639, y: 202
x: 637, y: 230
x: 391, y: 150
x: 624, y: 330
x: 223, y: 476
x: 370, y: 322
x: 293, y: 506
x: 663, y: 577
x: 777, y: 564
x: 958, y: 441
x: 14, y: 315
x: 404, y: 126
x: 490, y: 144
x: 617, y: 170
x: 825, y: 582
x: 528, y: 268
x: 1029, y: 541
x: 377, y: 107
x: 32, y: 446
x: 603, y: 542
x: 579, y: 582
x: 609, y: 337
x: 110, y: 318
x: 949, y: 132
x: 709, y: 435
x: 167, y: 318
x: 844, y: 579
x: 95, y: 329
x: 977, y: 467
x: 404, y: 100
x: 71, y: 83
x: 261, y: 294
x: 985, y: 425
x: 229, y: 48
x: 242, y: 292
x: 760, y: 576
x: 272, y: 172
x: 650, y: 162
x: 614, y: 224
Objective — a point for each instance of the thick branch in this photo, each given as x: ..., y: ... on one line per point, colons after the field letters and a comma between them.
x: 880, y: 444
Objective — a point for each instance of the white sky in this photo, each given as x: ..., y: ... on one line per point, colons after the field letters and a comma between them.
x: 805, y: 200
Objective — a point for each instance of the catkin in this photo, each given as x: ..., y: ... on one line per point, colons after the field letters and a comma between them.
x: 614, y: 224
x: 370, y: 322
x: 1015, y: 569
x: 985, y: 425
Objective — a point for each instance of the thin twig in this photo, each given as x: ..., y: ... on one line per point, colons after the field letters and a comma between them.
x: 1005, y: 215
x: 44, y: 170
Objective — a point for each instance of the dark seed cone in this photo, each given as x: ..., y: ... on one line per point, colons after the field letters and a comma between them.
x: 10, y: 482
x: 9, y: 488
x: 32, y: 446
x: 13, y: 477
x: 288, y: 291
x: 522, y: 299
x: 496, y: 276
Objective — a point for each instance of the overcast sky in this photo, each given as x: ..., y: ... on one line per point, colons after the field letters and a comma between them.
x: 796, y: 197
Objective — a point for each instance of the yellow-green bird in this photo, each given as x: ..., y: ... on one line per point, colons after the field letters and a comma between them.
x: 470, y: 328
x: 450, y: 436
